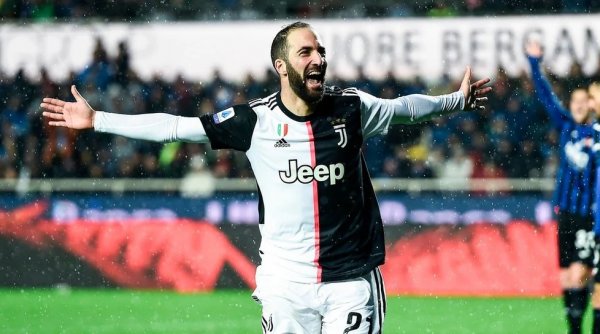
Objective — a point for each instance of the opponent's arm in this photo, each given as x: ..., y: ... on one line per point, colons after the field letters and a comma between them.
x: 543, y: 90
x: 159, y: 127
x: 379, y: 113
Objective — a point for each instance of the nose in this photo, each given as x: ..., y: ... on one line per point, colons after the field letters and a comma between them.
x: 318, y: 58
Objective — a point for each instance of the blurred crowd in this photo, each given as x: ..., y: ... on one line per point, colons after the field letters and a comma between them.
x: 152, y: 10
x: 512, y: 138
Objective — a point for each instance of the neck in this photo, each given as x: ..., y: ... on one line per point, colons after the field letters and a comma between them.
x: 294, y: 103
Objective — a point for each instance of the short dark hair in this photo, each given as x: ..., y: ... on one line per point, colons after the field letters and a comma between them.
x: 279, y: 46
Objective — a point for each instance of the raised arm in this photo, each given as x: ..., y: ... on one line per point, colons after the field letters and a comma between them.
x: 158, y: 127
x: 378, y: 113
x: 543, y: 90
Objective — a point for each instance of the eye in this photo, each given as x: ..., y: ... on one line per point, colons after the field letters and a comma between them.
x: 303, y: 53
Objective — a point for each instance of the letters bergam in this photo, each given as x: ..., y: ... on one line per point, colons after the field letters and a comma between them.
x: 306, y: 173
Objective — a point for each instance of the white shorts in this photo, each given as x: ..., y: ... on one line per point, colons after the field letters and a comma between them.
x: 355, y: 306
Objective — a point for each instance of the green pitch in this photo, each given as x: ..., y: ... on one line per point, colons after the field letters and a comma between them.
x: 123, y: 311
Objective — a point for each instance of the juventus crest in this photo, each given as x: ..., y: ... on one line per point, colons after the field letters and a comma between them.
x: 341, y: 130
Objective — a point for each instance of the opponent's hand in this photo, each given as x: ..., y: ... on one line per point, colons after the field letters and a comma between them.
x: 475, y: 93
x: 534, y: 49
x: 73, y: 115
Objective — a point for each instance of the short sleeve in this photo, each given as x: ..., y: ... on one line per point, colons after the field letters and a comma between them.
x: 231, y: 128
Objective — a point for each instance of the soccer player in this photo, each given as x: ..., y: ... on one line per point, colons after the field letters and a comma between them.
x: 572, y: 195
x: 594, y: 93
x: 322, y: 234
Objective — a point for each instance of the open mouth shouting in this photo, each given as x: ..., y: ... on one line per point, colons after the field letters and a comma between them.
x: 315, y: 79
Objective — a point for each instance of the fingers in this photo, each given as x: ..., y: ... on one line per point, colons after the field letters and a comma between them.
x: 76, y: 94
x: 534, y: 49
x: 58, y: 123
x: 56, y: 102
x: 477, y: 104
x: 51, y: 107
x: 482, y: 91
x: 55, y: 116
x: 480, y: 83
x: 467, y: 78
x: 59, y: 119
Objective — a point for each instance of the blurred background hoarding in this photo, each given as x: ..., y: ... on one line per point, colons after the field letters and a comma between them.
x: 427, y: 48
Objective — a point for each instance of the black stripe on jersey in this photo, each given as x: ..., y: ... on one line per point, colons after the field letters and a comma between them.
x: 235, y: 132
x: 381, y: 289
x: 337, y: 91
x: 264, y: 325
x: 272, y: 103
x: 262, y: 101
x: 349, y: 91
x: 261, y: 207
x: 350, y: 229
x: 377, y: 295
x: 256, y: 103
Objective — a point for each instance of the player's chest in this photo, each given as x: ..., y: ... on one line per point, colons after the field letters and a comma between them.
x: 333, y: 136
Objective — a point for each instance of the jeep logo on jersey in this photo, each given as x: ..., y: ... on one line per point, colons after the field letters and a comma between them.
x: 306, y: 173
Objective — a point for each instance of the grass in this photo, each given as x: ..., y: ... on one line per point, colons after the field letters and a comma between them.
x: 125, y: 311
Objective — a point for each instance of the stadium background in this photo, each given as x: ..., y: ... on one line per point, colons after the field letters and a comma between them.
x: 86, y: 217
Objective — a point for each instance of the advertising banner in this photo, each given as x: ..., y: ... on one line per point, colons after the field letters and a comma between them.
x: 443, y: 245
x: 407, y: 47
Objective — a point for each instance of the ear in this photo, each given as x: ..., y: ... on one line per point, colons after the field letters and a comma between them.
x: 280, y: 67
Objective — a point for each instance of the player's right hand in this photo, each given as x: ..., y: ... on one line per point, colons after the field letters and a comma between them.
x: 534, y: 49
x: 73, y: 115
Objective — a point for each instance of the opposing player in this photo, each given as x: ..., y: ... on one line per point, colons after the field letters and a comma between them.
x: 322, y: 234
x: 594, y: 93
x: 572, y: 196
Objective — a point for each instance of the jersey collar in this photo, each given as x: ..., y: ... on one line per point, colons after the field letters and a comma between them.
x: 293, y: 116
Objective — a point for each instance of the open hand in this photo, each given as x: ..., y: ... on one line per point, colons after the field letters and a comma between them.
x: 534, y: 49
x: 73, y: 115
x: 475, y: 93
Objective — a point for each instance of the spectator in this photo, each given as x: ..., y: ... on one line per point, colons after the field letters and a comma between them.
x: 457, y: 170
x: 512, y: 139
x: 198, y: 181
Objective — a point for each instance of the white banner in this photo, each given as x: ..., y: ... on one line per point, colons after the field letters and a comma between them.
x: 429, y: 48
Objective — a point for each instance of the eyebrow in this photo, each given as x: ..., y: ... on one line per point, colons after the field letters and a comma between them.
x: 320, y: 49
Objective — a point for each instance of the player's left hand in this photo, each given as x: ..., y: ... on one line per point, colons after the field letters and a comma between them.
x: 475, y: 93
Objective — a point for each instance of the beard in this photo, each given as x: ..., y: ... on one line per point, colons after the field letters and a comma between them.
x: 298, y: 85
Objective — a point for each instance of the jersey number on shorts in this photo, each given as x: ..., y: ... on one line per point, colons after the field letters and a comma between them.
x: 354, y: 320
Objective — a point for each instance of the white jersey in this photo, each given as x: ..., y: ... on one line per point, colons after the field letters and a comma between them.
x: 319, y: 218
